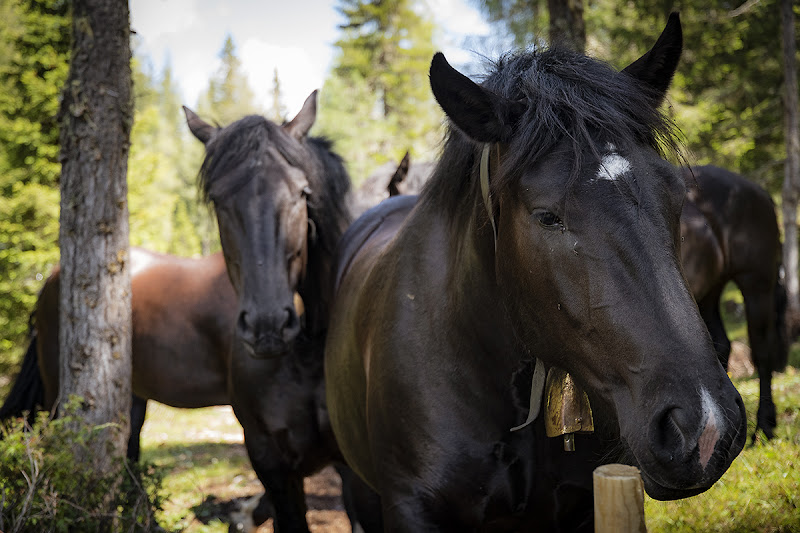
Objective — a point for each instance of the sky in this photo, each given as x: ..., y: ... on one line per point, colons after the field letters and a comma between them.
x: 294, y: 36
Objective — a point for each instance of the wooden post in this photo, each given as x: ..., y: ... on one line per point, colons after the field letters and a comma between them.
x: 618, y: 499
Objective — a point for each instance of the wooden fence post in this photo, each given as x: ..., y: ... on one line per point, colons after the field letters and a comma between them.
x: 618, y: 499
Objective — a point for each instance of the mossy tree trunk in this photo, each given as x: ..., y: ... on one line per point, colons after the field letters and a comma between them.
x: 95, y: 316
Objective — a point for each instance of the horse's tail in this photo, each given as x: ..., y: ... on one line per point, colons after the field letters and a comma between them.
x: 27, y: 393
x: 779, y: 357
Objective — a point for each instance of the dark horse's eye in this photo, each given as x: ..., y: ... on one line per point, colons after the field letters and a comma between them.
x: 547, y: 219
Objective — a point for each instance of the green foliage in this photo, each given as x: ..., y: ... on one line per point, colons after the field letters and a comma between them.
x: 41, y: 490
x: 229, y: 96
x: 727, y: 93
x: 34, y: 47
x: 525, y: 20
x: 377, y: 103
x: 165, y: 214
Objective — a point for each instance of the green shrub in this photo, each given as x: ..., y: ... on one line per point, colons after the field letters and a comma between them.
x: 42, y: 489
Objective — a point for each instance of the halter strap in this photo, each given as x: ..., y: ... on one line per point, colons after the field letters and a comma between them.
x: 537, y: 383
x: 484, y: 175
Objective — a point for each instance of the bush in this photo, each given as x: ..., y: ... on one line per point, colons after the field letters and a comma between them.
x: 41, y: 491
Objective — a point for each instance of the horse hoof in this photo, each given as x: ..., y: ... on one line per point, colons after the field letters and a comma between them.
x: 242, y: 519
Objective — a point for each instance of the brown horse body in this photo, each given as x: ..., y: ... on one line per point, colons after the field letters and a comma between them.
x: 183, y: 314
x: 184, y: 311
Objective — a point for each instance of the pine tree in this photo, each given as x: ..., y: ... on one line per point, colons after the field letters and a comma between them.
x: 277, y: 112
x: 229, y: 96
x: 377, y: 103
x: 96, y: 114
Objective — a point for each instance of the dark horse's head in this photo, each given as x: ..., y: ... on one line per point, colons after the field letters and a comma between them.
x: 586, y: 251
x: 279, y: 199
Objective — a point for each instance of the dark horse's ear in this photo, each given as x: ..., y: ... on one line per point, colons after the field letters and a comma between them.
x: 656, y: 68
x: 479, y: 113
x: 201, y: 129
x: 399, y: 175
x: 298, y: 127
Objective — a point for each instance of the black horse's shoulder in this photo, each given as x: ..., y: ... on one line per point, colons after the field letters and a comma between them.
x: 365, y: 226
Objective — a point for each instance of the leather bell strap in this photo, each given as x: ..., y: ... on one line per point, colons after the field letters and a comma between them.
x: 537, y: 391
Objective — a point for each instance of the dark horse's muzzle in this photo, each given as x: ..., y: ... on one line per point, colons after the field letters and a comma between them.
x: 270, y: 335
x: 689, y: 442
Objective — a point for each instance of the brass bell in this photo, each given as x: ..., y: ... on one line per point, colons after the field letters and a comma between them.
x: 567, y: 409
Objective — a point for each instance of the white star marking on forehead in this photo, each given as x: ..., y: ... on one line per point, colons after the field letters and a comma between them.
x: 612, y: 166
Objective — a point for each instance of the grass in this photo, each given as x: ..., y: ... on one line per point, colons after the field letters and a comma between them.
x: 761, y: 490
x: 203, y: 454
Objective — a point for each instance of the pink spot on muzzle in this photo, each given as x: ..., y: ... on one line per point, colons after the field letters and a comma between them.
x: 710, y: 436
x: 708, y: 441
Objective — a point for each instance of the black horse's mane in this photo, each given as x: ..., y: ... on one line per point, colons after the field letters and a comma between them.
x: 229, y: 151
x: 567, y: 96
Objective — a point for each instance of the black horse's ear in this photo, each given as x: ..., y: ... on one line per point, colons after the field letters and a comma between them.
x: 298, y: 127
x: 200, y: 128
x: 480, y: 114
x: 399, y: 175
x: 656, y: 68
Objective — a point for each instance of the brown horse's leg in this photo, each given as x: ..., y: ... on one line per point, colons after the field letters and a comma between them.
x: 138, y: 411
x: 759, y: 307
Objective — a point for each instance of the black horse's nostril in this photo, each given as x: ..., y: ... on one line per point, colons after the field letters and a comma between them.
x: 291, y: 327
x: 667, y: 435
x: 244, y: 327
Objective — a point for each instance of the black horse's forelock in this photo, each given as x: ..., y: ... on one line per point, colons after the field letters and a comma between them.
x: 567, y: 96
x: 242, y: 141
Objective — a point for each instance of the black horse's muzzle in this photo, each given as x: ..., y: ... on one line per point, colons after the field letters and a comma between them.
x: 268, y: 335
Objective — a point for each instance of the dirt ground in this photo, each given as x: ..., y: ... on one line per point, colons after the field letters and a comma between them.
x: 323, y: 497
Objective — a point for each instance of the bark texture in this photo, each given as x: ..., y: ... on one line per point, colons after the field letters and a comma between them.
x: 791, y: 180
x: 95, y: 316
x: 566, y: 24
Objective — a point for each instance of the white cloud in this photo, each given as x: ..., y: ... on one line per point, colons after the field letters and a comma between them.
x: 160, y: 18
x: 300, y: 71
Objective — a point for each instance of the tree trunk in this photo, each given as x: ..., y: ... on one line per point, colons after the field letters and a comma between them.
x: 95, y: 306
x: 566, y: 24
x: 791, y: 179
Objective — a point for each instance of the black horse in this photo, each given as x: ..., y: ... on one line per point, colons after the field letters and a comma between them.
x: 730, y: 233
x: 548, y: 236
x: 281, y: 200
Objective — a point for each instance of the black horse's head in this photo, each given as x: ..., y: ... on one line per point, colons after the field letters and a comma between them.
x: 585, y: 213
x: 257, y: 175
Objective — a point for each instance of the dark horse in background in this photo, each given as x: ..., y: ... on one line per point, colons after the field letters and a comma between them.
x: 183, y: 314
x: 197, y: 343
x: 730, y: 233
x: 282, y: 202
x: 548, y: 235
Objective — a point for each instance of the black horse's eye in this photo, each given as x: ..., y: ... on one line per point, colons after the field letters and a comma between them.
x: 547, y: 219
